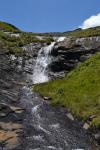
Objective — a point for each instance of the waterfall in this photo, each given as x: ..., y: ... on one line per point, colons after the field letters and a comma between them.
x: 40, y: 73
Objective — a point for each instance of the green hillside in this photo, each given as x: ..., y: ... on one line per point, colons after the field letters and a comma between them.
x: 13, y: 44
x: 79, y: 90
x: 84, y: 33
x: 76, y: 33
x: 8, y: 27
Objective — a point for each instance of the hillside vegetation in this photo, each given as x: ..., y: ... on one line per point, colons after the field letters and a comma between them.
x: 76, y: 33
x: 84, y: 33
x: 8, y: 27
x: 79, y: 90
x: 12, y: 44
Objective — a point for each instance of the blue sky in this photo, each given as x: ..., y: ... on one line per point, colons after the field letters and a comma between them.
x: 47, y: 15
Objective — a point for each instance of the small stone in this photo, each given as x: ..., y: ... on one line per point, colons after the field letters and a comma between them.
x: 86, y: 126
x: 97, y: 136
x: 92, y: 117
x: 9, y: 134
x: 10, y: 126
x: 2, y: 115
x: 16, y: 109
x: 47, y: 98
x: 69, y: 115
x: 10, y: 138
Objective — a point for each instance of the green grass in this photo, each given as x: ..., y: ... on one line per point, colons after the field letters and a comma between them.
x: 84, y: 33
x: 76, y: 33
x: 79, y: 90
x: 13, y: 45
x: 8, y: 27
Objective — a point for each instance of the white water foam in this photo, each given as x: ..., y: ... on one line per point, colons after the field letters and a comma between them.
x: 40, y: 74
x: 60, y: 39
x: 44, y: 130
x: 38, y: 138
x: 34, y: 109
x: 55, y: 126
x: 40, y: 71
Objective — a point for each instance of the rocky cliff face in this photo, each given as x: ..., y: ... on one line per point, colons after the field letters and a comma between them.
x: 15, y: 73
x: 72, y: 51
x: 11, y: 113
x: 66, y: 55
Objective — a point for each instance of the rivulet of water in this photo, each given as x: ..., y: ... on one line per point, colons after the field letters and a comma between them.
x: 50, y: 127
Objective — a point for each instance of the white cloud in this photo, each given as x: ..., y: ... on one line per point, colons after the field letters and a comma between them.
x: 93, y: 21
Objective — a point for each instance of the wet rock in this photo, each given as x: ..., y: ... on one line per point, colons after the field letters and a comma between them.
x: 92, y: 117
x: 70, y: 116
x: 10, y: 134
x: 47, y: 98
x: 17, y: 109
x: 86, y: 126
x: 9, y: 109
x: 87, y: 43
x: 10, y: 126
x: 97, y: 136
x: 11, y: 112
x: 9, y: 139
x: 68, y: 43
x: 4, y: 110
x: 71, y: 52
x: 31, y: 50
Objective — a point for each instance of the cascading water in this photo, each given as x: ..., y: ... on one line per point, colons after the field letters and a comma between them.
x: 40, y: 74
x: 40, y: 71
x: 49, y: 128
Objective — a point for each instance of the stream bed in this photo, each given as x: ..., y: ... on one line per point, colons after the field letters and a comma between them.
x: 45, y: 127
x: 50, y: 128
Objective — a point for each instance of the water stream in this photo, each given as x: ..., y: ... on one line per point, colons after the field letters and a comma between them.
x: 50, y: 127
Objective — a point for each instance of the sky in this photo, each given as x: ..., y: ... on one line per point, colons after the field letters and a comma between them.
x: 50, y: 15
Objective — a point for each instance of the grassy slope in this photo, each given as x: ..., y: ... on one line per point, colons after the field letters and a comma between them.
x: 79, y: 91
x: 8, y: 27
x: 77, y: 33
x: 12, y: 44
x: 84, y: 33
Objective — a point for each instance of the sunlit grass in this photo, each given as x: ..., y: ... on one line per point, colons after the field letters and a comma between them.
x: 79, y: 90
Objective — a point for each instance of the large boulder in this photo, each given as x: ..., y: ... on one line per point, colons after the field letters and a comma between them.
x: 72, y: 51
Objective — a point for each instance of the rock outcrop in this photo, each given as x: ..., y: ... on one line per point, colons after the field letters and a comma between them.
x: 11, y: 112
x: 72, y: 51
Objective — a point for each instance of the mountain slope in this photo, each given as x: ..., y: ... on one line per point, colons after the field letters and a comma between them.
x: 95, y: 31
x: 8, y: 27
x: 79, y: 90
